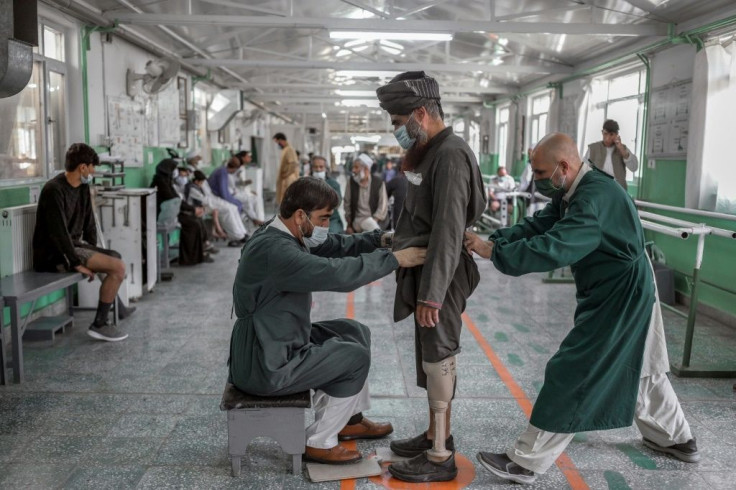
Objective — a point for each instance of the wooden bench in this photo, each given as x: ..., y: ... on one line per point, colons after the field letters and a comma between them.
x: 24, y: 287
x: 280, y: 418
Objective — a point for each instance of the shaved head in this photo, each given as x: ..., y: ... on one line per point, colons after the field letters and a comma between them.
x: 557, y: 154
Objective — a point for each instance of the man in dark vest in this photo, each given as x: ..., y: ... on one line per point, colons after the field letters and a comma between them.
x: 612, y: 156
x: 366, y: 202
x: 445, y: 196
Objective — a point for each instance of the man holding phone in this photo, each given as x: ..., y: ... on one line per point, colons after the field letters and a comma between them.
x: 610, y: 155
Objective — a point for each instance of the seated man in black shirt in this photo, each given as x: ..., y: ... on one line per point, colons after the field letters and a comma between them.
x: 65, y: 238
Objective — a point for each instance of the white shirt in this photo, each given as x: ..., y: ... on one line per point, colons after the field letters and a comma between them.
x: 632, y: 163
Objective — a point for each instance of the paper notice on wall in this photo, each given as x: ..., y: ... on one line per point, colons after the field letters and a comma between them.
x: 677, y: 138
x: 670, y: 109
x: 658, y: 136
x: 127, y: 129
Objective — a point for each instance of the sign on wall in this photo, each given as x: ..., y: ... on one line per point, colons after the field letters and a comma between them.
x: 669, y: 117
x: 127, y: 129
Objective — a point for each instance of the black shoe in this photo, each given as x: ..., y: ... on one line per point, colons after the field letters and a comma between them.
x: 501, y: 465
x: 687, y: 451
x: 420, y: 469
x: 408, y: 448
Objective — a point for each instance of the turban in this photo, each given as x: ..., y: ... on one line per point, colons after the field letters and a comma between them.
x: 364, y: 160
x: 407, y: 91
x: 194, y: 154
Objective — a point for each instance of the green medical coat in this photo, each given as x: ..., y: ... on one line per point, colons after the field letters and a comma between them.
x: 591, y: 382
x: 274, y: 348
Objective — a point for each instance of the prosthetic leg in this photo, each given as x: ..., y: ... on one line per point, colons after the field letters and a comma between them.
x: 440, y: 388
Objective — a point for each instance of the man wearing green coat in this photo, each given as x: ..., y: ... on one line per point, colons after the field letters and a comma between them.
x: 611, y: 368
x: 276, y: 350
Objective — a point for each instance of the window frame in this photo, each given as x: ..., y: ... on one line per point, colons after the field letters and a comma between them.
x: 535, y: 119
x: 502, y: 129
x: 48, y: 64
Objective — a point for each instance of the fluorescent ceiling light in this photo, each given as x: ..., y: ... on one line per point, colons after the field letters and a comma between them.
x: 356, y: 93
x: 397, y: 36
x: 374, y: 138
x: 366, y: 74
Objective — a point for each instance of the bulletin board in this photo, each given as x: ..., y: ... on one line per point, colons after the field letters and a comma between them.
x: 168, y: 116
x: 127, y: 129
x: 569, y: 117
x: 669, y: 118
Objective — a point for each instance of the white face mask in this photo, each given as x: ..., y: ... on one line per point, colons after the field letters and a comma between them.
x: 320, y: 175
x: 181, y: 180
x: 318, y: 237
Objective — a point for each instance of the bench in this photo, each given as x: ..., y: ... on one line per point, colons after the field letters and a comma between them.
x: 280, y: 418
x: 20, y: 288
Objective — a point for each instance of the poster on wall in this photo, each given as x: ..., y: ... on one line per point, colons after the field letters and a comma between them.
x: 127, y: 129
x: 669, y: 111
x: 569, y: 117
x: 168, y: 116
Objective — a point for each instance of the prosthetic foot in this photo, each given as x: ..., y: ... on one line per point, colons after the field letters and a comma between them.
x: 437, y: 463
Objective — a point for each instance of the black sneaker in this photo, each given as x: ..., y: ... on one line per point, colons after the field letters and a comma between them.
x: 106, y: 332
x: 501, y: 465
x: 687, y: 451
x: 408, y: 448
x: 420, y: 469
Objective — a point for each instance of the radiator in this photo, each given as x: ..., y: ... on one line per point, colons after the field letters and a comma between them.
x: 16, y: 239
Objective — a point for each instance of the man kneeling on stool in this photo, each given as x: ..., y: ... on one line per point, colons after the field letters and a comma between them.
x: 276, y: 350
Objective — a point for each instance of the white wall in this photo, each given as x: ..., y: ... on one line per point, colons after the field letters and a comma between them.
x: 672, y: 65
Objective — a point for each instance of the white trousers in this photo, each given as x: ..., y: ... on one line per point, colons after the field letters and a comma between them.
x: 331, y: 414
x: 658, y: 416
x: 229, y: 218
x: 252, y: 204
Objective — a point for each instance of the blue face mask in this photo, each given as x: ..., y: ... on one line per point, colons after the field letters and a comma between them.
x: 87, y: 179
x: 402, y: 136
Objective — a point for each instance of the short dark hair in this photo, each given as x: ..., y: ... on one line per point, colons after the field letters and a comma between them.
x: 233, y: 163
x: 309, y: 194
x: 279, y: 136
x: 78, y: 154
x: 199, y: 176
x: 610, y: 126
x: 242, y: 154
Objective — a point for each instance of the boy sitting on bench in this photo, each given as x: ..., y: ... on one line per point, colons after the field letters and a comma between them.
x: 65, y: 237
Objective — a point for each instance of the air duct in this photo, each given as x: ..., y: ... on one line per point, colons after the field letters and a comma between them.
x: 18, y: 35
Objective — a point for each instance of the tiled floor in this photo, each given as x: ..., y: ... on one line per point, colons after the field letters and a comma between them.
x: 144, y: 413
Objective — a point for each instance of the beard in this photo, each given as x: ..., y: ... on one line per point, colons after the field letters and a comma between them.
x: 416, y: 153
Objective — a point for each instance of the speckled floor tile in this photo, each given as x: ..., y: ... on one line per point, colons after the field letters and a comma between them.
x: 144, y: 425
x: 105, y: 477
x: 34, y: 475
x: 57, y: 449
x: 124, y: 450
x: 11, y: 446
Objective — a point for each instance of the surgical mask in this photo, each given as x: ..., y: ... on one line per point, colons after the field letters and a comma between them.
x: 182, y: 181
x: 547, y: 188
x: 320, y: 175
x: 402, y: 136
x: 318, y: 237
x: 86, y: 180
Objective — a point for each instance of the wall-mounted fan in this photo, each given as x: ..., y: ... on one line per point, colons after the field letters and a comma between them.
x: 158, y: 74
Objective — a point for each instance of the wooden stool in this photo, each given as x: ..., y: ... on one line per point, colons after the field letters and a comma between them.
x: 281, y: 418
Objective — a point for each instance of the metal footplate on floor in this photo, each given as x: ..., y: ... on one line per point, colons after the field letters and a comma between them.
x: 46, y: 327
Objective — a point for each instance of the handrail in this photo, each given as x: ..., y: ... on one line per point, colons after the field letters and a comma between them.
x: 694, y: 212
x: 665, y: 230
x: 679, y: 222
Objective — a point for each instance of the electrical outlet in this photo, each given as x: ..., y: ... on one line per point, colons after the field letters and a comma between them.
x: 652, y: 163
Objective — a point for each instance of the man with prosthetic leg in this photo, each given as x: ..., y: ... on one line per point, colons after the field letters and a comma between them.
x: 445, y: 196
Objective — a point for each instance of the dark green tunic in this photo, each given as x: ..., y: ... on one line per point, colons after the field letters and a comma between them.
x: 591, y: 383
x: 274, y: 348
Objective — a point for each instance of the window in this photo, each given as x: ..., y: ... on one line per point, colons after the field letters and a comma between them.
x: 33, y: 143
x: 538, y: 119
x: 619, y: 97
x: 502, y: 135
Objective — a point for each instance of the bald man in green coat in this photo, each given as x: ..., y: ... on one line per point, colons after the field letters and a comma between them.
x: 611, y: 368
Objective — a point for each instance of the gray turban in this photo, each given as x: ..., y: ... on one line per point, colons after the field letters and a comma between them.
x: 407, y: 91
